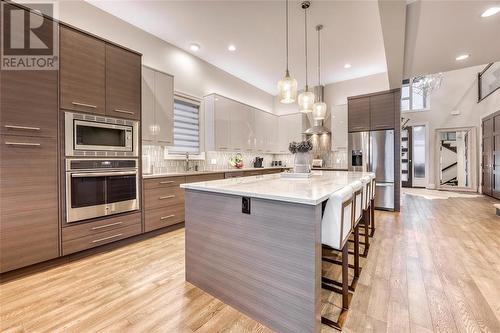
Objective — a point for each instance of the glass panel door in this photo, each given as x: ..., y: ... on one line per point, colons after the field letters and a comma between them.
x: 418, y: 156
x: 121, y: 188
x: 87, y: 191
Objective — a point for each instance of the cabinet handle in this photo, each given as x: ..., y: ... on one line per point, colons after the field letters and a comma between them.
x: 106, y: 238
x: 23, y: 127
x: 106, y: 225
x: 358, y: 127
x: 30, y: 144
x: 167, y: 217
x: 380, y: 126
x: 167, y: 182
x: 123, y: 111
x: 86, y: 105
x: 167, y: 197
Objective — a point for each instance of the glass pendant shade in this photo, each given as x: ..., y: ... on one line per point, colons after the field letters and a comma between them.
x: 306, y: 101
x: 287, y: 89
x: 319, y: 111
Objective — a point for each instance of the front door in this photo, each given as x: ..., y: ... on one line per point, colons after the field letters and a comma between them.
x: 406, y: 157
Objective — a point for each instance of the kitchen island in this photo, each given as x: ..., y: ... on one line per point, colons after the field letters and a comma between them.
x: 255, y: 243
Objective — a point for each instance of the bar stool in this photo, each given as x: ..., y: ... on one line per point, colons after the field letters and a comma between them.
x: 336, y: 227
x: 366, y: 205
x: 358, y: 200
x: 372, y: 204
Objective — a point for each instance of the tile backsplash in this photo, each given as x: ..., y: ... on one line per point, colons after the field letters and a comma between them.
x: 154, y: 160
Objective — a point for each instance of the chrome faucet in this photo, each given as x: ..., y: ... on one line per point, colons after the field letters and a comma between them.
x: 186, y: 165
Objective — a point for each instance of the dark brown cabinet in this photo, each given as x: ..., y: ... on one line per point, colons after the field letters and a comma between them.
x: 123, y: 83
x: 82, y: 72
x: 29, y: 226
x: 359, y: 114
x: 29, y: 103
x: 377, y: 111
x: 382, y: 111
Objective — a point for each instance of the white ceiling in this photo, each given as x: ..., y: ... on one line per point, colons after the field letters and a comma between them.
x: 439, y: 31
x: 352, y: 34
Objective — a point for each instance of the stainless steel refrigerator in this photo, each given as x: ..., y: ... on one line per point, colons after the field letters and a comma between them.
x: 374, y: 151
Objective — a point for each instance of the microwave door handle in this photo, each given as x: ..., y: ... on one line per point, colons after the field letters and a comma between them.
x: 103, y: 174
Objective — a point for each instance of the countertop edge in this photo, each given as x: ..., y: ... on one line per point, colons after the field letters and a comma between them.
x: 207, y: 172
x: 310, y: 202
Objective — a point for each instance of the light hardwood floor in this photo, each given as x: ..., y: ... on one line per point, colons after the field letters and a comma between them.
x: 435, y: 267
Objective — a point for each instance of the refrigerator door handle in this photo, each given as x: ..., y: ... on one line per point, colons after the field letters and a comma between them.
x: 370, y: 153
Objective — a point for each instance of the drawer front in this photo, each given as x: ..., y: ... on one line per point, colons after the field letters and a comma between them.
x: 204, y: 178
x: 97, y: 227
x: 163, y: 182
x: 163, y: 197
x: 88, y: 242
x: 253, y: 173
x: 271, y: 171
x: 235, y: 174
x: 163, y: 217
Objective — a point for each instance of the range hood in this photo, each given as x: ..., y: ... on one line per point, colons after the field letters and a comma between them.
x: 316, y: 126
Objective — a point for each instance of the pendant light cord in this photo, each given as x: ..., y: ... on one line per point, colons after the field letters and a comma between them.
x: 305, y: 34
x: 319, y: 59
x: 286, y: 29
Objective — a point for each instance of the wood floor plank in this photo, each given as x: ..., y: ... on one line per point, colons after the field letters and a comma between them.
x: 433, y: 267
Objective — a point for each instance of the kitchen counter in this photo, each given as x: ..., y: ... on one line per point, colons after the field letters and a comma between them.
x: 309, y: 191
x: 204, y: 172
x: 255, y: 244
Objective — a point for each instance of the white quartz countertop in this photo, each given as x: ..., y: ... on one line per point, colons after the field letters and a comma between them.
x: 204, y: 172
x: 310, y: 191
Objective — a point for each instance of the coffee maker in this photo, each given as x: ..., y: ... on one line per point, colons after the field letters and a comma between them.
x: 257, y: 163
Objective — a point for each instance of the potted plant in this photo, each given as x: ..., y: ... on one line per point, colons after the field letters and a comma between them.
x: 301, y: 155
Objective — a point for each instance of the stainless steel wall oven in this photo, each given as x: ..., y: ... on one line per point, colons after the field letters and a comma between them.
x: 100, y: 187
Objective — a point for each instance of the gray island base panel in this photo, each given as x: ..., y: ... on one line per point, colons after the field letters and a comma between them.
x: 266, y: 264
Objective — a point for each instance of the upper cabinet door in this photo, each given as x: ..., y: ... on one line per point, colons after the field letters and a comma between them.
x: 164, y: 107
x: 359, y: 114
x: 82, y: 72
x: 222, y: 123
x: 148, y: 105
x: 382, y: 109
x: 123, y: 83
x: 238, y: 132
x: 339, y: 127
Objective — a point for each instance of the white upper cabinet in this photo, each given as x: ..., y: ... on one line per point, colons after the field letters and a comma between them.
x: 234, y: 126
x: 157, y: 107
x: 148, y: 105
x: 164, y: 108
x: 339, y: 127
x: 222, y: 123
x: 290, y: 129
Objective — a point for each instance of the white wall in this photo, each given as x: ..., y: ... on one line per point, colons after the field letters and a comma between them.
x: 458, y: 92
x: 192, y: 75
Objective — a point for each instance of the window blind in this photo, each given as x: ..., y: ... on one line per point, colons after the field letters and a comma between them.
x: 186, y: 127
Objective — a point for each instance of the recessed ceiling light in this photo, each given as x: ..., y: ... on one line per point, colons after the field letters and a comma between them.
x: 462, y: 57
x: 491, y: 11
x: 347, y: 66
x: 194, y: 47
x: 231, y: 48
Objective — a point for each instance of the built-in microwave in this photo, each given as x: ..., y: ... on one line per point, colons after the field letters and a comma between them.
x: 94, y: 135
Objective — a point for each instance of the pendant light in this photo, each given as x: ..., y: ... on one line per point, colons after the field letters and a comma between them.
x: 319, y: 108
x: 306, y: 98
x: 287, y: 87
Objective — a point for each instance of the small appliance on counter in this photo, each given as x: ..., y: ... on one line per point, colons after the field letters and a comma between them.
x: 257, y: 163
x: 317, y: 163
x: 277, y: 163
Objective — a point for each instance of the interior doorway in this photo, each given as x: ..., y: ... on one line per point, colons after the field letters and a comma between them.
x: 413, y: 156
